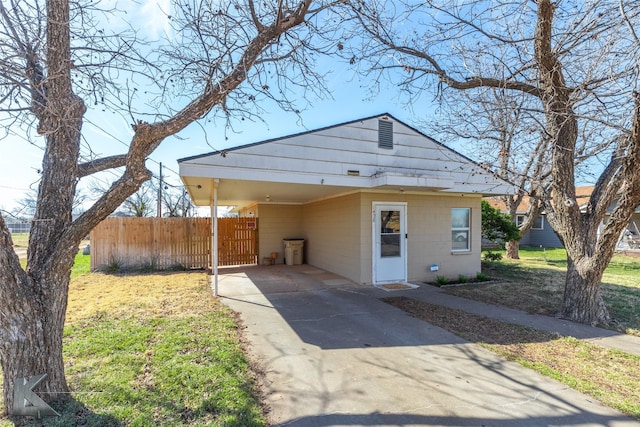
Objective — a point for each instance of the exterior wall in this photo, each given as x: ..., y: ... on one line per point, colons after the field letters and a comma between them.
x: 250, y: 211
x: 278, y: 222
x: 545, y: 237
x: 429, y: 235
x: 631, y: 236
x: 338, y: 234
x: 333, y: 235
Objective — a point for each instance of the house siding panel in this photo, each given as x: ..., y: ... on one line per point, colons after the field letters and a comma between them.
x: 278, y: 222
x: 545, y: 237
x: 334, y: 236
x: 334, y: 151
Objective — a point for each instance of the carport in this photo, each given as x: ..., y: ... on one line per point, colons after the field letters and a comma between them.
x: 375, y: 200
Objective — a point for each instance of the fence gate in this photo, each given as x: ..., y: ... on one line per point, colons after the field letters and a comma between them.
x: 237, y: 241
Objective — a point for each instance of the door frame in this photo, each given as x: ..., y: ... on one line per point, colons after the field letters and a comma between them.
x: 403, y: 241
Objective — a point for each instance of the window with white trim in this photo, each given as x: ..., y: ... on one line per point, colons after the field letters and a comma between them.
x: 461, y: 229
x: 538, y: 224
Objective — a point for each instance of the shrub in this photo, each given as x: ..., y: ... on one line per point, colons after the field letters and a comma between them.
x: 441, y: 280
x: 482, y: 277
x: 177, y: 267
x: 492, y: 256
x: 496, y: 226
x: 150, y: 266
x: 114, y: 266
x: 463, y: 279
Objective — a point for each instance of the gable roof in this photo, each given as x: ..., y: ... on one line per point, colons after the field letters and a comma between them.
x: 333, y: 160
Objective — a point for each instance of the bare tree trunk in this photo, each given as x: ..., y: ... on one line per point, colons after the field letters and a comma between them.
x: 512, y: 249
x: 582, y: 300
x: 33, y: 319
x: 34, y: 348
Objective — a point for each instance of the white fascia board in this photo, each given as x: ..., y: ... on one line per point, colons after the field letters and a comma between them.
x: 485, y: 189
x: 266, y: 175
x: 376, y: 181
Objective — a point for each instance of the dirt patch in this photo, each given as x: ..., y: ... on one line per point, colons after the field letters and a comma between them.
x: 469, y: 326
x: 611, y: 376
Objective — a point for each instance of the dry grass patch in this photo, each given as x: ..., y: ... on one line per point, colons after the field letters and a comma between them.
x: 167, y: 294
x: 611, y: 376
x: 534, y: 288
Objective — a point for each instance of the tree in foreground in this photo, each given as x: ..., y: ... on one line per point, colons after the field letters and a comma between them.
x: 59, y: 59
x: 575, y: 61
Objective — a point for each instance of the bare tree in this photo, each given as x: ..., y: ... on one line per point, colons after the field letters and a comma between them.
x: 577, y: 60
x: 59, y: 58
x: 141, y: 203
x: 503, y: 132
x: 176, y: 202
x: 27, y: 205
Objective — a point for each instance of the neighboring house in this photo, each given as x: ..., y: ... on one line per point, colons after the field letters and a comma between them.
x: 375, y: 200
x: 542, y: 234
x: 630, y: 237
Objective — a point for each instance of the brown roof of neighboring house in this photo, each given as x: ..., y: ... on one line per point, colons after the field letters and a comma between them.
x: 582, y: 195
x: 499, y: 204
x: 584, y: 192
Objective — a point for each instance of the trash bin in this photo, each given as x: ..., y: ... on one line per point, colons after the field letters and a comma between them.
x: 293, y: 251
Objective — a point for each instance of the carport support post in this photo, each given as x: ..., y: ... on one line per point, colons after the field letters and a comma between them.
x: 214, y: 236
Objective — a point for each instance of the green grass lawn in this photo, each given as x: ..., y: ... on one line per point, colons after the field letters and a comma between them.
x: 535, y: 284
x: 152, y: 350
x: 20, y: 240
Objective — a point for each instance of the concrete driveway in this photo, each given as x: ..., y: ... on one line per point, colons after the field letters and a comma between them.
x: 333, y: 354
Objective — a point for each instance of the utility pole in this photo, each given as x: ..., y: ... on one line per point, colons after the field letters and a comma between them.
x: 160, y: 194
x: 184, y: 202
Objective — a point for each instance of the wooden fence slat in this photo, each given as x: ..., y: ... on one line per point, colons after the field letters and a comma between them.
x: 164, y: 243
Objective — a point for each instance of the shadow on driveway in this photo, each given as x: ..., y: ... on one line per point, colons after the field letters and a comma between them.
x: 333, y: 354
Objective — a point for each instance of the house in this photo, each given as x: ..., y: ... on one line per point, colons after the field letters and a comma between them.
x: 630, y: 237
x: 375, y: 200
x: 542, y: 234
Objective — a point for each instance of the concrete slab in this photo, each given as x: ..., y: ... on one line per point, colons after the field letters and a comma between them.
x: 338, y: 356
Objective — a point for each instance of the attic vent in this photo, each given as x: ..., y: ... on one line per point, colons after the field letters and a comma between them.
x: 385, y: 134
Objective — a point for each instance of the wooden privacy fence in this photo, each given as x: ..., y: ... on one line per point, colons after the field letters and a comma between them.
x: 166, y: 243
x: 237, y: 241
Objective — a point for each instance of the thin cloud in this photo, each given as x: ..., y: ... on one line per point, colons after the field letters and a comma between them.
x: 154, y: 17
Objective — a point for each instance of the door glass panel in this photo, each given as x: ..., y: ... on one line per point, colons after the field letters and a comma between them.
x: 390, y: 234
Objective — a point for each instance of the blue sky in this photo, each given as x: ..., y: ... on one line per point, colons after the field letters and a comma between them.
x: 108, y: 133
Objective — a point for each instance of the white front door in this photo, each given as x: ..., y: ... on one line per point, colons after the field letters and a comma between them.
x: 389, y: 242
